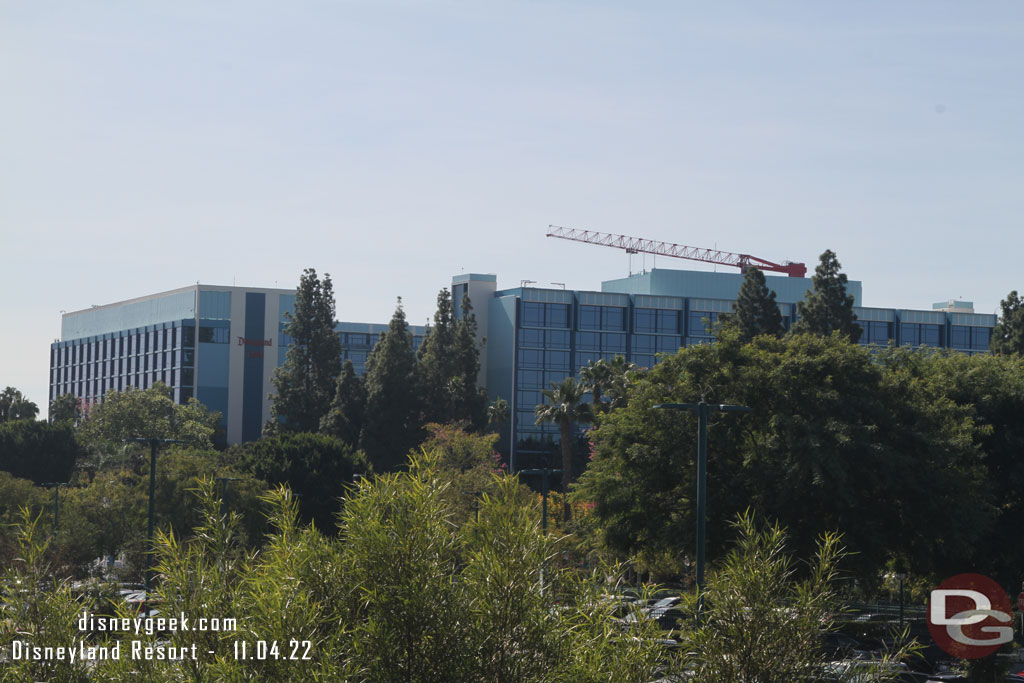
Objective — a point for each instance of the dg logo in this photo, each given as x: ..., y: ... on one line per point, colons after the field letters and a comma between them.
x: 970, y: 616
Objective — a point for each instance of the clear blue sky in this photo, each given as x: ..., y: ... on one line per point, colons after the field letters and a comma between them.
x: 147, y: 146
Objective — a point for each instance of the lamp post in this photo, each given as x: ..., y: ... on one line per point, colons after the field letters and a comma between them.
x: 702, y: 409
x: 56, y: 500
x: 153, y: 443
x: 545, y: 475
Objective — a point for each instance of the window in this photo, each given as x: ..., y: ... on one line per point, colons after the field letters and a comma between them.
x: 588, y: 341
x: 554, y: 377
x: 531, y: 379
x: 358, y: 339
x: 556, y: 360
x: 584, y: 358
x: 590, y: 318
x: 526, y: 400
x: 188, y: 336
x: 646, y: 320
x: 960, y: 337
x: 602, y: 318
x: 557, y: 339
x: 644, y: 343
x: 615, y: 343
x: 531, y: 358
x: 528, y: 337
x: 697, y: 327
x: 668, y: 322
x: 921, y: 334
x: 980, y: 337
x: 875, y: 332
x: 533, y: 314
x: 213, y: 335
x: 669, y: 343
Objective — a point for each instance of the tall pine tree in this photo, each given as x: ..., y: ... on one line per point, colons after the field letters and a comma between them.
x: 438, y: 364
x: 345, y: 419
x: 471, y: 403
x: 305, y: 382
x: 828, y: 308
x: 391, y: 427
x: 1008, y: 334
x: 755, y: 312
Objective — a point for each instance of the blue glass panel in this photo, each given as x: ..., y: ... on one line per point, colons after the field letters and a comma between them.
x: 533, y: 314
x: 980, y: 338
x: 931, y: 335
x: 557, y: 339
x: 643, y: 343
x: 668, y: 322
x: 557, y: 315
x: 531, y: 358
x: 646, y: 320
x: 613, y: 318
x: 615, y: 343
x: 588, y: 341
x: 961, y: 337
x: 529, y: 337
x: 531, y: 379
x: 556, y: 360
x: 590, y: 318
x: 669, y: 343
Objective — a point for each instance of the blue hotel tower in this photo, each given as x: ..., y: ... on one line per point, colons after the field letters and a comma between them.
x: 222, y: 344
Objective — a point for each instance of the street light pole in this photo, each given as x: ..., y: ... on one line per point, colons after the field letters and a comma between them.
x: 56, y: 500
x: 153, y: 443
x: 702, y: 409
x: 545, y: 474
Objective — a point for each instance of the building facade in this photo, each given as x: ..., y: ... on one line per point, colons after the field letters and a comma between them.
x: 222, y: 344
x: 218, y: 344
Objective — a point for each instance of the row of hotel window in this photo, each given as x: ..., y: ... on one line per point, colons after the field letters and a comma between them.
x: 700, y: 324
x: 132, y: 364
x: 179, y: 379
x: 137, y: 344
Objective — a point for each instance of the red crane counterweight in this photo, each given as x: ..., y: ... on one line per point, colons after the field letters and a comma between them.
x: 638, y: 245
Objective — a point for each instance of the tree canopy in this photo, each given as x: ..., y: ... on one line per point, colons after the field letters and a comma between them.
x: 147, y: 413
x: 828, y: 308
x: 39, y: 451
x: 755, y: 311
x: 836, y: 441
x: 305, y: 383
x: 391, y: 426
x: 14, y: 406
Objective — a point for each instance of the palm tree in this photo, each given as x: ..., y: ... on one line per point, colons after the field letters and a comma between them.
x: 604, y: 378
x: 498, y: 412
x: 564, y: 405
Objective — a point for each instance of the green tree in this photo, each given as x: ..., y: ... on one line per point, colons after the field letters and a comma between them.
x: 14, y: 406
x: 563, y: 406
x: 471, y: 398
x: 607, y: 379
x: 498, y: 412
x: 145, y: 413
x: 391, y: 426
x: 755, y: 311
x: 38, y: 451
x: 66, y: 409
x: 1008, y: 334
x: 828, y: 308
x: 438, y: 364
x: 449, y: 361
x: 316, y: 467
x: 305, y: 383
x: 763, y: 622
x: 348, y: 409
x: 834, y: 432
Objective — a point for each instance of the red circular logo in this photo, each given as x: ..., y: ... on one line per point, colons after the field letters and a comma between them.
x: 970, y: 616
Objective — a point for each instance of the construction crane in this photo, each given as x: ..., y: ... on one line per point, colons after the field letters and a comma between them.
x: 639, y: 245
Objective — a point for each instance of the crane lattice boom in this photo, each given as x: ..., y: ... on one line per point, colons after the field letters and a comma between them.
x: 638, y: 245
